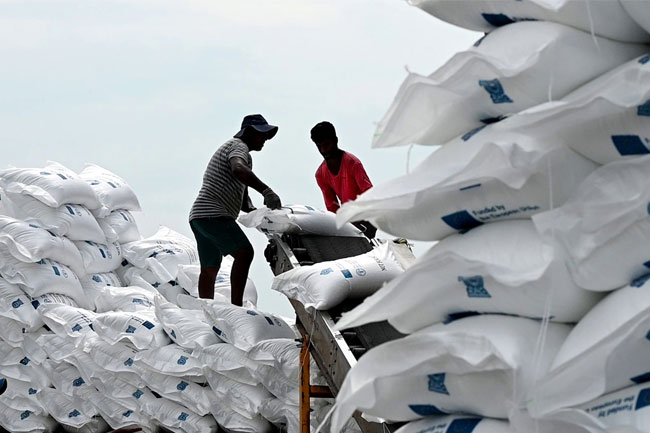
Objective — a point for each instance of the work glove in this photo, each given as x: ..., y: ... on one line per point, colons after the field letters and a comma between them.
x: 271, y: 199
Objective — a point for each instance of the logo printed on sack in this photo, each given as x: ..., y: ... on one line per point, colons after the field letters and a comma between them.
x: 138, y: 394
x: 643, y: 400
x: 643, y: 109
x: 182, y: 360
x: 251, y: 312
x: 474, y: 286
x: 78, y: 382
x: 645, y: 377
x: 326, y: 271
x: 24, y: 361
x: 173, y: 334
x: 217, y: 330
x: 127, y: 413
x: 269, y: 320
x: 465, y: 425
x: 76, y: 328
x: 346, y: 273
x: 645, y: 59
x: 495, y: 90
x: 426, y: 409
x: 629, y: 145
x: 639, y: 282
x: 128, y: 362
x: 461, y: 221
x: 147, y: 324
x: 31, y: 391
x: 437, y: 383
x: 74, y: 413
x: 17, y: 303
x: 183, y: 416
x: 500, y: 20
x: 25, y: 415
x: 130, y: 330
x: 360, y: 272
x: 182, y: 385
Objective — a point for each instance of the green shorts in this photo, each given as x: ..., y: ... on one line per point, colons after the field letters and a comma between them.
x: 217, y: 237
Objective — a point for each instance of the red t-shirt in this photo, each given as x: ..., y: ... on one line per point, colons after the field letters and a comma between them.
x: 350, y: 181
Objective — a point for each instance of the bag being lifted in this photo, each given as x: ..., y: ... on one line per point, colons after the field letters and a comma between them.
x: 297, y: 219
x: 482, y: 365
x: 502, y: 267
x: 606, y: 351
x: 604, y: 228
x: 325, y: 285
x: 604, y: 18
x: 511, y: 69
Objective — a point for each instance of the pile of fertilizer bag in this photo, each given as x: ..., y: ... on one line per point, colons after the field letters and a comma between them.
x: 532, y: 312
x: 102, y: 329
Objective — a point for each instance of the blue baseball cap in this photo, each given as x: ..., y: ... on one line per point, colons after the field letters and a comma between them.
x: 259, y: 123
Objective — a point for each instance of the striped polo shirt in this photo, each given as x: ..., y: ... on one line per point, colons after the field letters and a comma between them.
x: 221, y: 193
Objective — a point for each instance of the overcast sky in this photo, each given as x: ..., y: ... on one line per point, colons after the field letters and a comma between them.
x: 150, y: 88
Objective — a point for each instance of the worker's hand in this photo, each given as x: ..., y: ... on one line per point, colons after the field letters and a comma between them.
x: 271, y: 199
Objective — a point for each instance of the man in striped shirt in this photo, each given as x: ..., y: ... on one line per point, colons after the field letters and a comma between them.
x: 223, y: 194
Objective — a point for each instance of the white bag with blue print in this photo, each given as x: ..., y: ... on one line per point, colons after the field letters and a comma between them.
x: 484, y: 365
x: 130, y: 299
x: 112, y: 191
x: 100, y: 258
x: 244, y: 327
x: 604, y: 228
x: 604, y: 18
x: 607, y: 350
x: 503, y: 267
x: 94, y: 283
x: 180, y: 390
x: 25, y: 420
x: 67, y: 321
x: 186, y: 327
x: 172, y: 360
x: 511, y: 69
x: 511, y: 169
x: 16, y: 304
x: 327, y: 284
x: 122, y: 224
x: 141, y: 329
x: 297, y: 219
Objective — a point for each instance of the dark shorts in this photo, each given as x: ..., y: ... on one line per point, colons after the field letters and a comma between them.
x: 217, y: 237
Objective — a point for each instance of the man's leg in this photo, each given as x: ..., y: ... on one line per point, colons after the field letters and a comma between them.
x: 207, y: 278
x: 239, y: 274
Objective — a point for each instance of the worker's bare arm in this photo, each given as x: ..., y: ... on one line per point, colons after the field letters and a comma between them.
x: 245, y: 175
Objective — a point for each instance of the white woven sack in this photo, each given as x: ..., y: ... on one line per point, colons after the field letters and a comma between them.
x: 282, y: 415
x: 607, y: 350
x: 117, y: 358
x: 187, y: 328
x: 24, y: 421
x: 188, y: 279
x: 129, y: 299
x: 623, y: 411
x: 457, y: 423
x: 175, y: 416
x: 15, y: 363
x: 513, y: 68
x: 607, y: 119
x: 277, y: 384
x: 120, y: 416
x: 67, y: 321
x: 233, y: 421
x: 99, y: 258
x: 162, y: 253
x: 503, y: 267
x: 172, y: 360
x: 13, y: 332
x: 604, y: 18
x: 229, y: 361
x: 242, y: 398
x: 297, y: 219
x: 281, y: 353
x: 21, y: 395
x: 15, y: 304
x: 66, y: 410
x: 244, y: 327
x: 482, y: 365
x: 45, y: 276
x: 146, y: 279
x: 71, y: 220
x: 140, y: 328
x: 30, y: 243
x: 93, y: 284
x: 180, y: 390
x: 68, y: 380
x: 54, y: 185
x: 123, y: 224
x: 53, y: 299
x: 604, y: 228
x: 325, y: 285
x: 500, y: 173
x: 112, y: 191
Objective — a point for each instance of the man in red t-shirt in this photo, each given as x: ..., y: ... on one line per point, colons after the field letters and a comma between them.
x: 341, y: 177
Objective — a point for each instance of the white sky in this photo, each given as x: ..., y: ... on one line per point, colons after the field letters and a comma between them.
x: 150, y: 88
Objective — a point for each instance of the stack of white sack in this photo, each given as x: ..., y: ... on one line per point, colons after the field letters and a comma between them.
x: 511, y: 69
x: 297, y: 219
x: 483, y: 365
x: 517, y: 167
x: 325, y: 285
x: 457, y: 423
